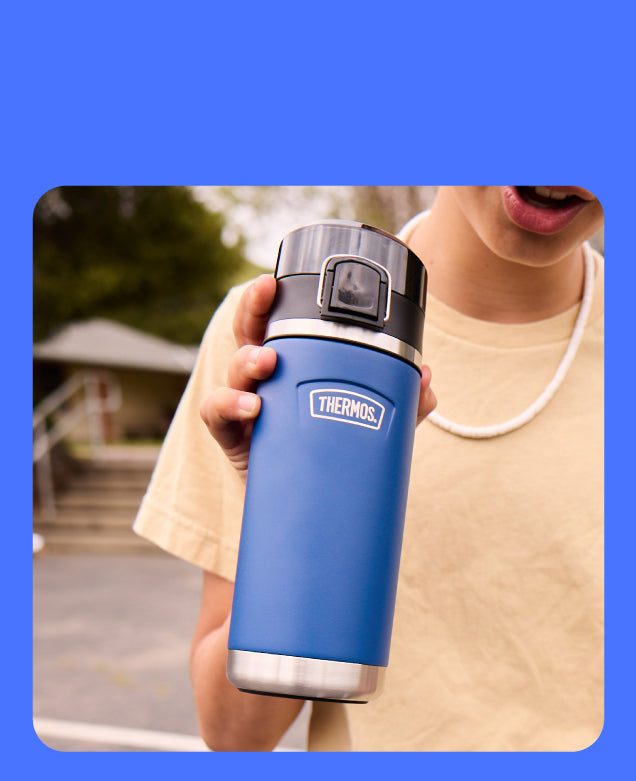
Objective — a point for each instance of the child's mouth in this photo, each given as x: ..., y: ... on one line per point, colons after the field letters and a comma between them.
x: 546, y: 197
x: 543, y: 210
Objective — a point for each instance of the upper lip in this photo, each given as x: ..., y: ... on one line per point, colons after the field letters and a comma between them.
x: 580, y: 192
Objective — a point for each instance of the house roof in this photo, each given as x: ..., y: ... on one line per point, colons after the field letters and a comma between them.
x: 105, y: 343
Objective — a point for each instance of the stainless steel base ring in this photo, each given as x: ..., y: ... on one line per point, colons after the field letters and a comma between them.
x: 309, y: 679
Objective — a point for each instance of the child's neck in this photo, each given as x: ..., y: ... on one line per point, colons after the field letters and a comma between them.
x: 467, y: 276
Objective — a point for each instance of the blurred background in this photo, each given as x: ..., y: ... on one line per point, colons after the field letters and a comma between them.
x: 125, y: 281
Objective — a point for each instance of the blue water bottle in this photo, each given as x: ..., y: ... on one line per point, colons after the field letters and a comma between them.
x: 329, y: 467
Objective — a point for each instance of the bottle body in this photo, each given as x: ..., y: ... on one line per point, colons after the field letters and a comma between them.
x: 323, y: 521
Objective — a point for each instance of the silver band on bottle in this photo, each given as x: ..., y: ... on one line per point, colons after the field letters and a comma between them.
x: 301, y: 326
x: 295, y: 676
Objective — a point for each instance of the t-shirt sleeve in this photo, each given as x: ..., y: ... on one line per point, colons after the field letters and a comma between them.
x: 193, y: 505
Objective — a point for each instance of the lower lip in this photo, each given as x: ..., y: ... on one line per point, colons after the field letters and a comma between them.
x: 535, y: 219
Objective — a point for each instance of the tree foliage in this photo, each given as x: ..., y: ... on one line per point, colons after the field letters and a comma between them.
x: 149, y: 257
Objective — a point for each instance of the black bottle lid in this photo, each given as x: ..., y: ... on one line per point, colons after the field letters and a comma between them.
x: 363, y: 280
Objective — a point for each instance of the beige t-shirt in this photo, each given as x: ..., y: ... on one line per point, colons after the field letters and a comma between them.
x: 498, y: 635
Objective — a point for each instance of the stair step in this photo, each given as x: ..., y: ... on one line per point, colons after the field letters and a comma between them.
x: 117, y: 465
x: 71, y: 542
x: 93, y: 482
x: 138, y: 453
x: 79, y: 520
x: 107, y: 475
x: 88, y: 500
x: 97, y: 509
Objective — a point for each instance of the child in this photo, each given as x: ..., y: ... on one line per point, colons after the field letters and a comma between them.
x: 498, y: 633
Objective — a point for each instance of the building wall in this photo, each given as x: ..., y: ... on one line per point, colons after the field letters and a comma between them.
x: 149, y: 400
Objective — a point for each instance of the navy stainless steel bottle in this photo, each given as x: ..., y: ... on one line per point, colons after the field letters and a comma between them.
x: 329, y: 467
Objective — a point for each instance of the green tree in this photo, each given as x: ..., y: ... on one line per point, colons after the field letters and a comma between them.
x: 149, y: 257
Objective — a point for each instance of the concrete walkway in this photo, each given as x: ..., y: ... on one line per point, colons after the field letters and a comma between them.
x: 111, y: 640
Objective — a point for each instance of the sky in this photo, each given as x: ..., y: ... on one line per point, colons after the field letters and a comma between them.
x: 265, y: 214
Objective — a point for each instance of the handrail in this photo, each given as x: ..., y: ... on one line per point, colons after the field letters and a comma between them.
x: 58, y: 397
x: 102, y: 394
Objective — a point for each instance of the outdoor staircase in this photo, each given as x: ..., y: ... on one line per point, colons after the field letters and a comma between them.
x: 96, y: 509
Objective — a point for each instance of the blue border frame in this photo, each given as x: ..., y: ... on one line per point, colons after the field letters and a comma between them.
x: 318, y: 93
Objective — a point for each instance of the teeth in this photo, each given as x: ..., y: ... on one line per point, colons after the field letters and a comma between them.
x: 546, y: 192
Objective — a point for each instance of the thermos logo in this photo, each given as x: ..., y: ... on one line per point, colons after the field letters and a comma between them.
x: 346, y: 407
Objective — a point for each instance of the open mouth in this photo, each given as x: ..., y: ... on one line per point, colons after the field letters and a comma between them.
x: 545, y: 210
x: 547, y: 197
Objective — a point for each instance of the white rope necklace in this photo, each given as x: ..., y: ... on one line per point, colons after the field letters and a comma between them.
x: 496, y: 430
